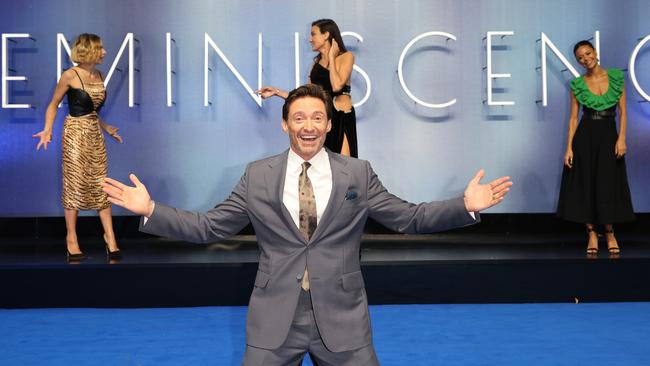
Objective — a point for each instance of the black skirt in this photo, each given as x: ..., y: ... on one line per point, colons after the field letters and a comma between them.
x: 343, y: 124
x: 595, y: 190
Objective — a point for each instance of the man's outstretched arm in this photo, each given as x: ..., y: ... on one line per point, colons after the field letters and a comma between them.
x: 405, y: 217
x: 221, y: 222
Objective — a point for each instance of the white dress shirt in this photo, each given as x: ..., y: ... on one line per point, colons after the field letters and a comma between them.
x: 320, y: 175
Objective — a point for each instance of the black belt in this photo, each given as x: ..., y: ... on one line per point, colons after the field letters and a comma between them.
x: 593, y: 114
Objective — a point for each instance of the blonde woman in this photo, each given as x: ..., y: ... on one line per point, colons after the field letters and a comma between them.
x: 84, y: 153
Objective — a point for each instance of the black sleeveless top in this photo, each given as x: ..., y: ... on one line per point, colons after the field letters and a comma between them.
x: 79, y: 101
x: 321, y: 76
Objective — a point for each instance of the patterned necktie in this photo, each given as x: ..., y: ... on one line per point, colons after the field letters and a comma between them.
x: 307, y: 212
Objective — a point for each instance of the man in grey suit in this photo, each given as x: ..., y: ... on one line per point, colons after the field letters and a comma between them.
x: 308, y: 207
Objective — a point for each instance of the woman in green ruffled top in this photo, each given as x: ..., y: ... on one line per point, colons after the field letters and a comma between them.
x: 594, y: 188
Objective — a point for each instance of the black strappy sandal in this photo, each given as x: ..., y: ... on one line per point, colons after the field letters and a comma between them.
x: 591, y: 250
x: 611, y: 249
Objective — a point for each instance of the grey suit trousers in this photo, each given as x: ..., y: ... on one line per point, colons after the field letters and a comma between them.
x: 304, y: 338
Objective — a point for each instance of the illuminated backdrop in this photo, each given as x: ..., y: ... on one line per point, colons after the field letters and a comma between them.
x: 428, y: 114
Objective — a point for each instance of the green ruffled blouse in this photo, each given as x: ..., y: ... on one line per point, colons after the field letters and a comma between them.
x: 599, y: 102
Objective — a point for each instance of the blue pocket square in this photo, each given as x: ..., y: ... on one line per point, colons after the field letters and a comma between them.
x: 350, y: 195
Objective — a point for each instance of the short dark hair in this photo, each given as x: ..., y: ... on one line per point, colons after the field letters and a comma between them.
x: 584, y: 42
x: 303, y: 91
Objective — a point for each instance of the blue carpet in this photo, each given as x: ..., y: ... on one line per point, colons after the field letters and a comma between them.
x: 522, y: 334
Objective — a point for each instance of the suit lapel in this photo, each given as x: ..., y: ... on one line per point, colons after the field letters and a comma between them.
x: 274, y: 178
x: 340, y: 184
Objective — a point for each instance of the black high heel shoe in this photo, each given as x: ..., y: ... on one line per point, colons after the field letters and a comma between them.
x: 591, y: 250
x: 113, y: 255
x: 116, y: 255
x: 75, y: 257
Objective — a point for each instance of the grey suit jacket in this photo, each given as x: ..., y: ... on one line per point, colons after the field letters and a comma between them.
x: 332, y: 254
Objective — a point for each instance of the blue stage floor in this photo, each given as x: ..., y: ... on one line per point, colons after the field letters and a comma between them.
x: 486, y: 334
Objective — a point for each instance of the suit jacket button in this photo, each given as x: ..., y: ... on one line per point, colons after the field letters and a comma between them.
x: 299, y: 276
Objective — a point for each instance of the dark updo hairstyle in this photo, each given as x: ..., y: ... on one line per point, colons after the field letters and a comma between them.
x: 584, y: 42
x: 328, y: 25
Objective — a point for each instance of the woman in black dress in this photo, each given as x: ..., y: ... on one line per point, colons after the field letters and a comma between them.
x: 594, y: 186
x: 331, y: 70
